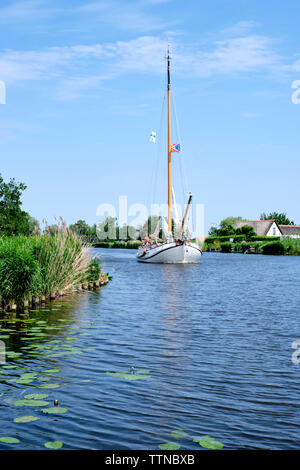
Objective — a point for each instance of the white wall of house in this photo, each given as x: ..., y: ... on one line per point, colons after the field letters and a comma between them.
x: 273, y: 231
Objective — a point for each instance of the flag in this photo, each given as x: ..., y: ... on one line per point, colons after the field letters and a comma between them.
x: 153, y: 137
x: 175, y: 147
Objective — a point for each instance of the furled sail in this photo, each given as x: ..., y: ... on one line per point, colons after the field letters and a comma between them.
x: 161, y: 225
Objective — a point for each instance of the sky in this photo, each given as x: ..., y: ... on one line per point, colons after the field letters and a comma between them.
x: 85, y: 84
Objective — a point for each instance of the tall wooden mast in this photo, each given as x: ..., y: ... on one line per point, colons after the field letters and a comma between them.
x: 169, y: 146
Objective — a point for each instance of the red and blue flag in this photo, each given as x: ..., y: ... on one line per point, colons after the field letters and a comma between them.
x: 175, y: 147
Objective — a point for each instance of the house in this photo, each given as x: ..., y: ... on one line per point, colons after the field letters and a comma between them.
x: 292, y: 231
x: 263, y: 228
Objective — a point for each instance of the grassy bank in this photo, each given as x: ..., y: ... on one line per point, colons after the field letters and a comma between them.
x: 130, y: 244
x: 37, y: 266
x: 268, y: 246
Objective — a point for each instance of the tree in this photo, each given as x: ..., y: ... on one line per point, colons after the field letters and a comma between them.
x: 33, y: 225
x: 281, y: 218
x: 213, y: 232
x: 13, y: 221
x: 227, y: 230
x: 246, y: 230
x: 229, y: 221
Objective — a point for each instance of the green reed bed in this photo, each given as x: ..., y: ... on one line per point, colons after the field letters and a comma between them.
x: 40, y: 265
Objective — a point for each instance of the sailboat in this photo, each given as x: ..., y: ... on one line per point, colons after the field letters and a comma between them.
x: 175, y: 248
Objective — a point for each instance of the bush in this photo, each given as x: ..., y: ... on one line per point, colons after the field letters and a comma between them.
x: 35, y: 266
x: 273, y: 248
x: 94, y: 271
x: 226, y: 247
x: 20, y: 274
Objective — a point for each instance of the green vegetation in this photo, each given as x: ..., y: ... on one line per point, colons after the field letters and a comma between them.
x: 130, y: 244
x: 41, y: 264
x: 266, y: 246
x: 14, y: 221
x: 273, y: 248
x: 107, y: 231
x: 281, y: 218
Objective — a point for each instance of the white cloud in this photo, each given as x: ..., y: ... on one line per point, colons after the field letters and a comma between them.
x: 145, y: 54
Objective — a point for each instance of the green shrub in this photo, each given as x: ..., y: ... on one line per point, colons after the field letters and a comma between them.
x: 226, y: 247
x: 20, y: 274
x: 291, y: 246
x: 273, y: 248
x: 94, y: 271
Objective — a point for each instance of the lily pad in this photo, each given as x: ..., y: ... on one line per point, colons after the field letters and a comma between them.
x: 21, y: 381
x: 9, y: 440
x: 169, y: 446
x: 52, y: 371
x: 55, y: 410
x: 36, y: 396
x: 49, y: 386
x: 126, y: 376
x: 179, y: 434
x: 31, y: 403
x: 208, y: 442
x: 53, y: 445
x: 25, y: 419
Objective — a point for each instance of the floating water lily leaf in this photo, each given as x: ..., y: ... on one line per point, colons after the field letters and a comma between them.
x: 52, y: 371
x: 21, y: 381
x: 55, y: 410
x: 49, y: 386
x: 28, y: 375
x: 25, y: 419
x: 4, y: 336
x: 31, y: 403
x: 179, y: 434
x: 43, y: 379
x: 208, y: 442
x: 9, y: 440
x: 36, y: 396
x: 169, y: 446
x: 126, y: 376
x: 53, y: 445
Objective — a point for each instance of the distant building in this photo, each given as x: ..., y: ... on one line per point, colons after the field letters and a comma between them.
x: 292, y: 231
x: 263, y: 228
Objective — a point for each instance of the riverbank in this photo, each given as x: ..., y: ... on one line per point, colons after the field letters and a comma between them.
x: 130, y: 244
x: 37, y: 268
x: 286, y: 246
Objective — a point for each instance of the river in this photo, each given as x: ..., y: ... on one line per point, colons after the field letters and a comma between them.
x: 210, y: 345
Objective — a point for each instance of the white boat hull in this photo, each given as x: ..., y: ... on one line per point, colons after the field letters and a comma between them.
x: 171, y: 253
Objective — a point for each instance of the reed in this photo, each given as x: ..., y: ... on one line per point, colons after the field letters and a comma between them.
x: 41, y: 265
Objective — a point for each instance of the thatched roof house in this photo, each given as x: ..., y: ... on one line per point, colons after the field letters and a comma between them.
x: 292, y: 231
x: 263, y: 228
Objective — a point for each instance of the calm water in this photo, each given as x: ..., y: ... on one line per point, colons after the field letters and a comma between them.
x: 215, y: 338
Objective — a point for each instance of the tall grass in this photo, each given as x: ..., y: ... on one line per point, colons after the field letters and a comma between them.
x: 42, y: 264
x: 63, y: 258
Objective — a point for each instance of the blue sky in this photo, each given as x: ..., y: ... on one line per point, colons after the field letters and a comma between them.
x: 85, y: 83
